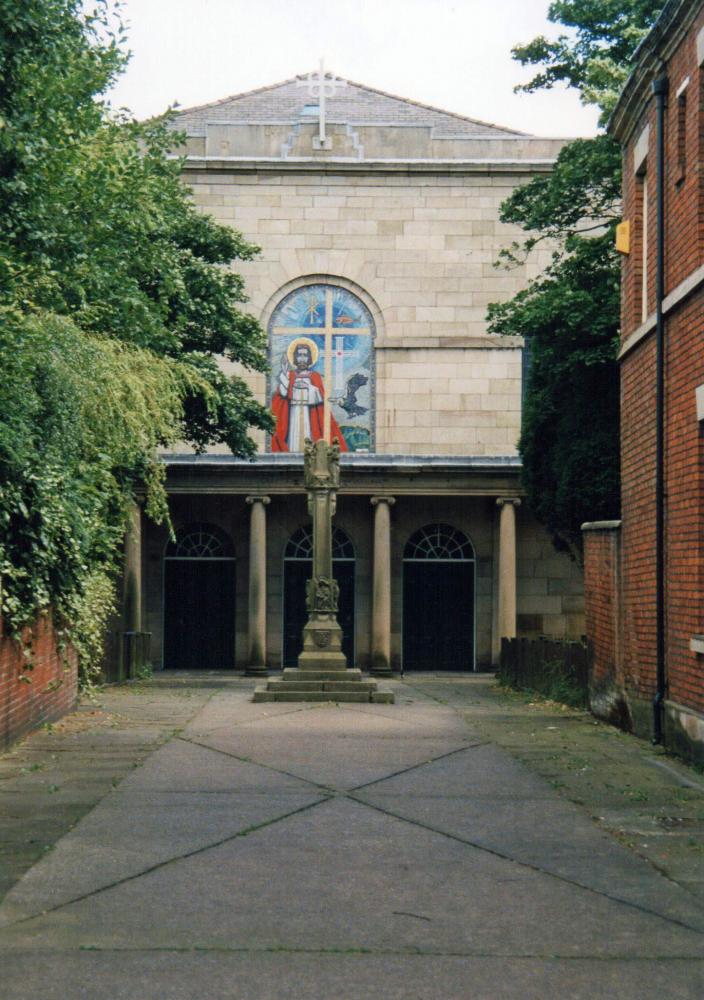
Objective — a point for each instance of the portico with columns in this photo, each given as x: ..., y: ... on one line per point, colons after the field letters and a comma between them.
x: 383, y: 502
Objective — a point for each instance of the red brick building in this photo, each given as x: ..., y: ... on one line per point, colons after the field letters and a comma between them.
x: 649, y: 647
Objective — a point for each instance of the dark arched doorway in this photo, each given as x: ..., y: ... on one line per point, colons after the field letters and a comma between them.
x: 199, y: 600
x: 298, y: 567
x: 438, y: 600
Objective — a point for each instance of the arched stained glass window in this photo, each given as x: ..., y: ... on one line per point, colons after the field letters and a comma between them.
x: 300, y: 544
x: 322, y: 369
x: 200, y: 541
x: 438, y: 542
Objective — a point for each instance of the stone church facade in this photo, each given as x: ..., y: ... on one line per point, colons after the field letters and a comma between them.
x: 377, y: 265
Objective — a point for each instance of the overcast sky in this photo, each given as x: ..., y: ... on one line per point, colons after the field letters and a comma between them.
x: 454, y: 54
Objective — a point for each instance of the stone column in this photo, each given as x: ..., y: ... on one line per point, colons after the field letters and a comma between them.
x: 256, y: 635
x: 381, y: 586
x: 132, y: 591
x: 134, y: 648
x: 507, y: 567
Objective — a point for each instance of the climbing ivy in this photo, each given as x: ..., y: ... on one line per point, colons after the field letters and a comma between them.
x: 116, y: 297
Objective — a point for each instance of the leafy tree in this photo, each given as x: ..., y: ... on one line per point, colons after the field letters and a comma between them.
x: 570, y: 314
x: 116, y: 299
x: 595, y: 56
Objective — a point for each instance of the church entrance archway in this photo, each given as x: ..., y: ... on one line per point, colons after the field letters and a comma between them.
x: 438, y: 600
x: 298, y: 568
x: 199, y: 600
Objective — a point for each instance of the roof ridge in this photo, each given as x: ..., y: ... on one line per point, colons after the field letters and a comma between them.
x: 360, y: 86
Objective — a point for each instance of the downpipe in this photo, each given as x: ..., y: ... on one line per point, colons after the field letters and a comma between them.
x: 660, y: 89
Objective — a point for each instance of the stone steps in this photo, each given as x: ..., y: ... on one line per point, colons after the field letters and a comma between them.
x: 322, y: 685
x: 294, y: 674
x: 325, y: 685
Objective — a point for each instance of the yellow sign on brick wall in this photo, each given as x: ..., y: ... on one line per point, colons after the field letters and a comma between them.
x: 623, y: 237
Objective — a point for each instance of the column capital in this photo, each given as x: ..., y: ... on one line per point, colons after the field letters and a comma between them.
x: 515, y: 501
x: 258, y: 499
x: 383, y: 499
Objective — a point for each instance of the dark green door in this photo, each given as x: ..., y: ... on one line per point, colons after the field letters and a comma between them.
x: 296, y: 573
x: 199, y: 614
x: 438, y: 615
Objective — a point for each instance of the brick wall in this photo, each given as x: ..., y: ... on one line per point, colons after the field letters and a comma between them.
x: 35, y: 691
x: 684, y: 488
x: 602, y: 582
x: 684, y: 371
x: 638, y: 517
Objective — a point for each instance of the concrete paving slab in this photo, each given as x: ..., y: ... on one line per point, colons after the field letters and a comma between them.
x: 182, y: 799
x: 340, y: 763
x: 127, y: 835
x: 552, y: 836
x: 421, y: 715
x: 481, y: 769
x: 173, y: 975
x: 337, y: 747
x: 230, y: 708
x: 341, y: 876
x: 183, y: 766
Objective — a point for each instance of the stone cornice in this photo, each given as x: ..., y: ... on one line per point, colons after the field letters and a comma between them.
x: 400, y: 476
x: 344, y: 165
x: 355, y: 459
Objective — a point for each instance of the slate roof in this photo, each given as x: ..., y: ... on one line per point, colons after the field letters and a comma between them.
x: 354, y: 104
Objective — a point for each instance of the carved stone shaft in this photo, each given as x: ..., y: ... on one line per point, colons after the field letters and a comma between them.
x: 322, y: 635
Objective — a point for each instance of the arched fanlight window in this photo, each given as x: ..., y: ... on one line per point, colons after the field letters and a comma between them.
x: 200, y: 541
x: 300, y: 544
x: 438, y: 542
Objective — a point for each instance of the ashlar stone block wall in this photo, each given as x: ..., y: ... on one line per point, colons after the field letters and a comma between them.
x: 420, y: 249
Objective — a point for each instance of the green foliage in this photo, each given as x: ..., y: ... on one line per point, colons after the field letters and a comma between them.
x: 569, y: 439
x: 595, y: 56
x: 570, y: 314
x: 82, y: 417
x: 580, y: 196
x: 115, y: 296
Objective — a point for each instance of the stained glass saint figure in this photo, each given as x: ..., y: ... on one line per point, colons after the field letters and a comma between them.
x: 321, y: 369
x: 299, y: 401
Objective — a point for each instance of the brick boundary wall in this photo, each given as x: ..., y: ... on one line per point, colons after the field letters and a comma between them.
x: 38, y: 690
x: 603, y: 615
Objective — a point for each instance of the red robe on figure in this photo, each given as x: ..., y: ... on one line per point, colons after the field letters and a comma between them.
x: 281, y: 408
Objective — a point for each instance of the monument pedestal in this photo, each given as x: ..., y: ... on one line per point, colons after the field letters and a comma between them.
x: 322, y: 673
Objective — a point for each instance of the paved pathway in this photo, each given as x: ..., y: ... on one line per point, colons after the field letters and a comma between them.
x: 353, y: 852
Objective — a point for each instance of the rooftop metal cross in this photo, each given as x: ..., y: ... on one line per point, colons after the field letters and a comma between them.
x: 321, y: 87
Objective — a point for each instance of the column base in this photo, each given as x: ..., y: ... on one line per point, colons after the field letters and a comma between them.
x: 134, y: 658
x: 380, y: 665
x: 256, y: 671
